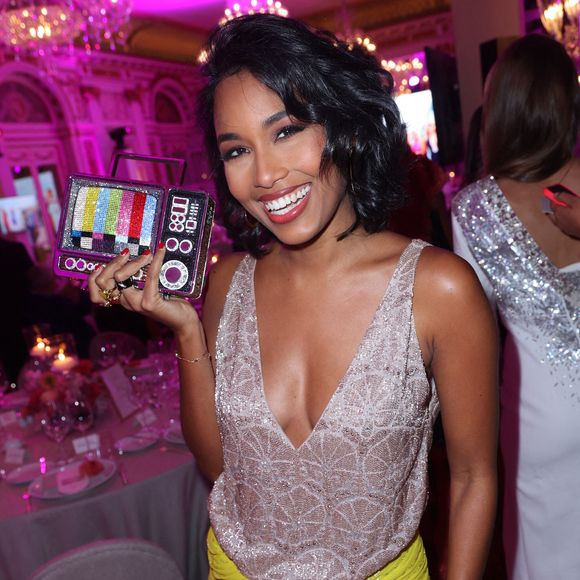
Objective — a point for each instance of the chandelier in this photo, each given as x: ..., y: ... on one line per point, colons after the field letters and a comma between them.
x: 409, y: 74
x: 37, y: 26
x: 353, y: 37
x: 43, y: 26
x: 560, y: 19
x: 104, y: 23
x: 358, y: 37
x: 238, y: 8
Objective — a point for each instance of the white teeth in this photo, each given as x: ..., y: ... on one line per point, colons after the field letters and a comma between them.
x: 284, y: 204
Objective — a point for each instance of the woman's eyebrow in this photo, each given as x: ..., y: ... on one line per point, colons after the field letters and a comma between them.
x: 273, y: 118
x: 265, y: 124
x: 227, y: 137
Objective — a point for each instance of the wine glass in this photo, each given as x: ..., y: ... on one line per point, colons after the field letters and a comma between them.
x: 81, y: 414
x: 56, y: 424
x: 107, y: 354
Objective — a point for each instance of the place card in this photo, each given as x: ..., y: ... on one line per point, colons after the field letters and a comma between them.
x: 120, y: 389
x: 83, y: 445
x: 146, y: 417
x: 15, y: 455
x: 8, y: 418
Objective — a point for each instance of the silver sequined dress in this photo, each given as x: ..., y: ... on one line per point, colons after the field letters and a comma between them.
x: 539, y: 306
x: 350, y: 498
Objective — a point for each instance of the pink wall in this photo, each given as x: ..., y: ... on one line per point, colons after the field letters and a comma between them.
x: 474, y: 22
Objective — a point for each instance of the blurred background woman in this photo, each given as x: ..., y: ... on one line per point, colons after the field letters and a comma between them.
x: 531, y: 272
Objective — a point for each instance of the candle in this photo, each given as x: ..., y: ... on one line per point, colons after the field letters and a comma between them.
x: 41, y: 349
x: 63, y: 362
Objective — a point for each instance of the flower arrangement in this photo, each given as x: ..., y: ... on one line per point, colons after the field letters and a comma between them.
x: 49, y: 386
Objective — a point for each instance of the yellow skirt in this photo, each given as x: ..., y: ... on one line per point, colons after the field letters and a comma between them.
x: 410, y: 564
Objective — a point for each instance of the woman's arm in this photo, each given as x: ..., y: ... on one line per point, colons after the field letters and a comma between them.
x: 198, y: 416
x: 196, y: 379
x: 462, y: 344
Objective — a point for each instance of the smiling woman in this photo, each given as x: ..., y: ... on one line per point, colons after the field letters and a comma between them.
x: 273, y: 163
x: 316, y: 417
x: 337, y: 114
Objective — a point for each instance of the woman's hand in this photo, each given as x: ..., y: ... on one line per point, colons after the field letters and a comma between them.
x: 567, y: 218
x: 175, y: 313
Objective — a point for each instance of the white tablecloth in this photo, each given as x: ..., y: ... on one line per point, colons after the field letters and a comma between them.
x: 164, y: 501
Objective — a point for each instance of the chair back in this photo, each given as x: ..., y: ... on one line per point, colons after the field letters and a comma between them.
x: 118, y: 559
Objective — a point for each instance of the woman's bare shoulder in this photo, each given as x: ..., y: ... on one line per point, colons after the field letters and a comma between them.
x: 444, y: 273
x: 223, y: 270
x: 448, y: 300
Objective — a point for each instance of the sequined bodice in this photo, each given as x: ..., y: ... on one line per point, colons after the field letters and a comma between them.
x: 538, y: 302
x: 350, y: 498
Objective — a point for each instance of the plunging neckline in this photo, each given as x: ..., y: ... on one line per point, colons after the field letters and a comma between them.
x: 340, y: 385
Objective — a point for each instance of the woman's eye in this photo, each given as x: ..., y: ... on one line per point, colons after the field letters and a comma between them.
x: 233, y: 153
x: 288, y: 131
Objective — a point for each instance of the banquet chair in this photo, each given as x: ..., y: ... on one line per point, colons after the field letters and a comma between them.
x: 117, y: 559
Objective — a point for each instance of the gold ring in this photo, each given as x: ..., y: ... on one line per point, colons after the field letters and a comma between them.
x: 112, y: 295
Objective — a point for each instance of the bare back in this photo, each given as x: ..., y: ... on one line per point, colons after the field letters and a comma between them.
x: 526, y: 201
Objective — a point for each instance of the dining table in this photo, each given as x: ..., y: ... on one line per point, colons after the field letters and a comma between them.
x: 151, y: 489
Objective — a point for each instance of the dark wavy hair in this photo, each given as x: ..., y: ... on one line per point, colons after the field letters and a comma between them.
x: 320, y: 80
x: 531, y: 110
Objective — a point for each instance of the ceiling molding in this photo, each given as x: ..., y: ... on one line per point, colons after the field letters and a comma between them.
x: 409, y: 23
x: 410, y: 36
x: 165, y: 40
x: 374, y: 14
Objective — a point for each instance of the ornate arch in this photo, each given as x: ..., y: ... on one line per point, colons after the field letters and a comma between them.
x: 165, y: 109
x: 174, y: 97
x: 27, y: 82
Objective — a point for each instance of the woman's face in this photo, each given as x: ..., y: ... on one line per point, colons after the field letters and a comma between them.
x: 272, y: 163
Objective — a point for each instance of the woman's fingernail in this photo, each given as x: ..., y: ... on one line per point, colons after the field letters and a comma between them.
x: 161, y: 245
x: 125, y: 252
x: 146, y: 252
x: 98, y: 266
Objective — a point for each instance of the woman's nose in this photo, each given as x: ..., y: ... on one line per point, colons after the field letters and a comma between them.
x: 269, y: 168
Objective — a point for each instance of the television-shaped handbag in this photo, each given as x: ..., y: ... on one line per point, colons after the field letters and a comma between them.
x: 102, y: 216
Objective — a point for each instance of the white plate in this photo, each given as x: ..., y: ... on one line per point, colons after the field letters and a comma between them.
x: 174, y: 435
x: 26, y: 473
x: 137, y: 442
x: 46, y: 487
x: 70, y: 481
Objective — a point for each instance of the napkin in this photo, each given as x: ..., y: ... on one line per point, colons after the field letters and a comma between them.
x: 70, y: 481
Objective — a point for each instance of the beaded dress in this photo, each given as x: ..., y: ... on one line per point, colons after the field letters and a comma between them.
x: 350, y: 498
x: 539, y: 306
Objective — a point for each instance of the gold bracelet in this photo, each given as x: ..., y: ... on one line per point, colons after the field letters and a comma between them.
x: 193, y: 360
